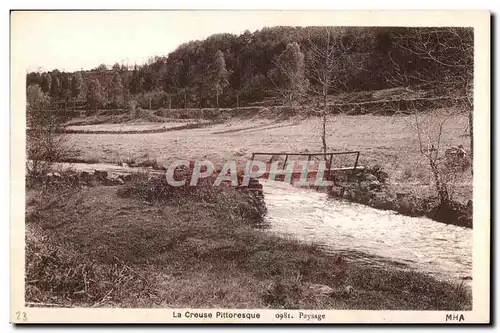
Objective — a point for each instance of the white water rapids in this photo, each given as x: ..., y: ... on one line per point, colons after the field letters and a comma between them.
x: 373, y: 236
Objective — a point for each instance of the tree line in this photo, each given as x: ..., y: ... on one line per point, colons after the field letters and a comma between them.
x: 287, y: 63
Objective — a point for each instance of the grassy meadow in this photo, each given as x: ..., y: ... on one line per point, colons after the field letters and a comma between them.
x: 388, y: 141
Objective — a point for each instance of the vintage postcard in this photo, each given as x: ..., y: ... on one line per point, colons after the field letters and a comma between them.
x: 250, y: 167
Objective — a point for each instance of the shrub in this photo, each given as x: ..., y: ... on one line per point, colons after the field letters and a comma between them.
x: 44, y: 142
x: 248, y: 206
x: 157, y: 189
x: 377, y: 171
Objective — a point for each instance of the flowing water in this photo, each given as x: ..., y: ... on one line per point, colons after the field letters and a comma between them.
x: 374, y: 237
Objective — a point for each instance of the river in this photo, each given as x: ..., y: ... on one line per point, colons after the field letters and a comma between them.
x: 374, y: 237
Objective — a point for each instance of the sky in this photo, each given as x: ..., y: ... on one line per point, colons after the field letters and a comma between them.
x: 72, y: 41
x: 75, y: 40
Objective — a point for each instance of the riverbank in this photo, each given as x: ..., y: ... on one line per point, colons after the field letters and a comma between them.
x: 135, y: 245
x: 369, y: 187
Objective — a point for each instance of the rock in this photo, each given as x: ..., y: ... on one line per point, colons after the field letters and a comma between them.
x: 114, y: 179
x: 404, y: 206
x: 57, y: 174
x: 366, y: 186
x: 321, y: 289
x: 374, y: 185
x: 349, y: 291
x: 337, y: 191
x: 469, y: 206
x: 87, y: 177
x: 127, y: 177
x: 143, y: 161
x: 369, y: 177
x: 74, y: 179
x: 351, y: 195
x: 401, y: 195
x: 381, y: 201
x: 364, y: 198
x: 382, y: 176
x: 100, y: 175
x: 109, y: 181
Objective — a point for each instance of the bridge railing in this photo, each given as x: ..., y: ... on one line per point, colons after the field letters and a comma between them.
x: 310, y: 155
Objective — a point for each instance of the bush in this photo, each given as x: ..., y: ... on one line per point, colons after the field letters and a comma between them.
x: 377, y: 171
x: 157, y: 189
x: 249, y: 206
x: 44, y: 142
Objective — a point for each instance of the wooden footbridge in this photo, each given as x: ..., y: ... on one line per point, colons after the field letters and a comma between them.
x: 332, y: 172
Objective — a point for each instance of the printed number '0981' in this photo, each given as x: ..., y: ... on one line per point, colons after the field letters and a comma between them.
x: 283, y: 315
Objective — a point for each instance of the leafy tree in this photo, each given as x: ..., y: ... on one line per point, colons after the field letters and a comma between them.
x: 33, y: 78
x: 95, y: 95
x: 76, y: 87
x: 36, y: 100
x: 221, y: 74
x: 55, y: 87
x: 46, y: 83
x: 290, y: 79
x: 65, y: 92
x: 101, y: 68
x: 116, y: 92
x: 136, y: 83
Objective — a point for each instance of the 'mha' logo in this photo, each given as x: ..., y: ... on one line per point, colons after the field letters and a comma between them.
x: 455, y: 317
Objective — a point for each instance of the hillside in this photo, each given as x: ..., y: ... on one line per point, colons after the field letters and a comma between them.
x: 227, y: 70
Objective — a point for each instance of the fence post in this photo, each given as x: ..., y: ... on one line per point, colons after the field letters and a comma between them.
x: 356, y: 163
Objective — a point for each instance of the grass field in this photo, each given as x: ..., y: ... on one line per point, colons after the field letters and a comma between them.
x: 125, y: 126
x: 388, y: 141
x: 92, y: 247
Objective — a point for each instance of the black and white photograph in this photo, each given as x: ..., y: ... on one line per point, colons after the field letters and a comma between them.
x: 250, y: 166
